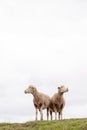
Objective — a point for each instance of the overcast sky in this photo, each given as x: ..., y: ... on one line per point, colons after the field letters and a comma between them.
x: 43, y: 43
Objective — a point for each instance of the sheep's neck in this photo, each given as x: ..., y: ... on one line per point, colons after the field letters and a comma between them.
x: 60, y: 94
x: 59, y: 97
x: 35, y: 95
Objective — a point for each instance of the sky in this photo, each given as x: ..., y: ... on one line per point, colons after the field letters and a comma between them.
x: 43, y: 43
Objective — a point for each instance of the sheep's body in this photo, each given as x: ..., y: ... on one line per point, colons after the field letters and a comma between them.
x: 57, y: 102
x: 41, y: 101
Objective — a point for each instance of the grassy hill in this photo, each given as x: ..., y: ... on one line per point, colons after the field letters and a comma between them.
x: 69, y: 124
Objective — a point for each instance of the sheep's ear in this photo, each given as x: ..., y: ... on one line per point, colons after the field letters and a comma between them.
x: 58, y: 87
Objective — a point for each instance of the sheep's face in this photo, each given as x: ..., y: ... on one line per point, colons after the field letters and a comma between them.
x: 62, y: 89
x: 30, y: 89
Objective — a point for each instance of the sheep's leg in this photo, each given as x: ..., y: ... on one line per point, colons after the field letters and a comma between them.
x: 59, y: 115
x: 36, y: 114
x: 41, y: 114
x: 51, y: 115
x: 55, y: 114
x: 47, y: 113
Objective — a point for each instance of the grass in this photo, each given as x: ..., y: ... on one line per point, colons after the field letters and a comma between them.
x: 69, y: 124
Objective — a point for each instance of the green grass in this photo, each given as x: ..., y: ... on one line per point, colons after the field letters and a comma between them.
x: 69, y: 124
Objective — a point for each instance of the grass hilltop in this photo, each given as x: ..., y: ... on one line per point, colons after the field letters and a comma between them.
x: 68, y: 124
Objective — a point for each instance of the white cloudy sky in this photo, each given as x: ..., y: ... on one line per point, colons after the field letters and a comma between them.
x: 43, y: 43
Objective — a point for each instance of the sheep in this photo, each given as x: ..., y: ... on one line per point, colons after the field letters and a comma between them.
x: 41, y: 101
x: 57, y: 102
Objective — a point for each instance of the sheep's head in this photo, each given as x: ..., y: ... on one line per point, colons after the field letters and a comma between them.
x: 30, y: 89
x: 62, y: 89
